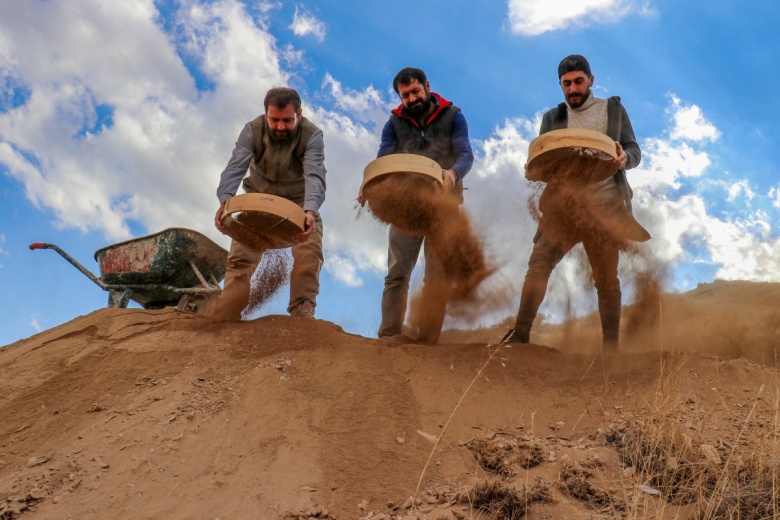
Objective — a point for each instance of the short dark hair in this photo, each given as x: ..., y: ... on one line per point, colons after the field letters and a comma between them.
x: 573, y: 63
x: 280, y: 97
x: 408, y: 74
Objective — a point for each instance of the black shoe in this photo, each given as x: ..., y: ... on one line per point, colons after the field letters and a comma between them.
x: 514, y: 336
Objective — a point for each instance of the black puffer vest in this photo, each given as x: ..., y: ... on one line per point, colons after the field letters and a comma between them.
x: 433, y: 141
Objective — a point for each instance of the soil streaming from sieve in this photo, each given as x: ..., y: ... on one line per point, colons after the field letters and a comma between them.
x: 271, y: 275
x: 416, y: 205
x: 574, y: 210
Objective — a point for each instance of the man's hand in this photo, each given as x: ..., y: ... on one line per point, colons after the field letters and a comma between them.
x: 450, y: 178
x: 218, y: 219
x: 308, y: 226
x: 622, y: 159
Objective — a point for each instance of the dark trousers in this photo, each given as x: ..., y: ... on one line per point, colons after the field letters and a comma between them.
x: 403, y: 250
x: 547, y: 252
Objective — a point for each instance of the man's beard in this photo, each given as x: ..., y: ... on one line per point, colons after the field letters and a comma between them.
x: 420, y: 107
x: 283, y: 135
x: 580, y: 99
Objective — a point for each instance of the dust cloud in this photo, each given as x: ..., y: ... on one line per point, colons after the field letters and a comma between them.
x: 574, y: 213
x: 416, y: 205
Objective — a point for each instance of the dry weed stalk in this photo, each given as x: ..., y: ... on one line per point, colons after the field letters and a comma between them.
x: 444, y: 429
x: 724, y: 480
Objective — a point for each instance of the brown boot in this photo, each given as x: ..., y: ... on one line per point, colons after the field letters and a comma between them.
x: 304, y: 309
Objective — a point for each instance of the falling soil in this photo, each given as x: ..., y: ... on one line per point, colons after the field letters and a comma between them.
x: 573, y: 214
x: 644, y: 318
x: 271, y: 274
x: 416, y: 205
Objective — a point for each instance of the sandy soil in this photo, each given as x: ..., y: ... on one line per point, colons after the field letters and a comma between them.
x: 129, y: 414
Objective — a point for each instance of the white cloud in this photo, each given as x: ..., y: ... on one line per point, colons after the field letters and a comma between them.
x: 738, y: 188
x: 367, y: 106
x: 34, y: 324
x: 352, y: 132
x: 166, y: 141
x: 744, y: 250
x: 292, y: 57
x: 690, y: 123
x: 665, y: 163
x: 534, y: 17
x: 667, y: 160
x: 264, y: 6
x: 343, y: 269
x: 306, y: 24
x: 684, y: 227
x: 774, y: 194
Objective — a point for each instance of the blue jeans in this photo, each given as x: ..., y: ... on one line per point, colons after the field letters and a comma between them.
x: 403, y: 250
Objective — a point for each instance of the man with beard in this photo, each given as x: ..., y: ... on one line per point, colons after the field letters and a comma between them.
x: 600, y: 216
x: 424, y: 124
x: 285, y: 155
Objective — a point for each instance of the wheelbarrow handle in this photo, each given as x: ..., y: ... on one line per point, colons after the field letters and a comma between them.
x: 71, y: 260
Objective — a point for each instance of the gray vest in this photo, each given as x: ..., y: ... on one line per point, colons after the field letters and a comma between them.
x: 277, y: 167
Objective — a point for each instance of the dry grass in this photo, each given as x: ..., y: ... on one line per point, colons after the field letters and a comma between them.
x: 717, y: 478
x: 506, y: 456
x: 575, y: 482
x: 506, y: 503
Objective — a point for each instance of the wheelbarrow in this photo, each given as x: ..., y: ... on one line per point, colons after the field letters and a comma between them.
x: 155, y: 270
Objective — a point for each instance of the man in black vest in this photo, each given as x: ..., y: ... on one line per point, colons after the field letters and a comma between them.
x: 284, y: 153
x: 424, y: 124
x: 606, y: 206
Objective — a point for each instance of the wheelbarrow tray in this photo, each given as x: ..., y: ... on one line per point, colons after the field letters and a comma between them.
x: 162, y: 259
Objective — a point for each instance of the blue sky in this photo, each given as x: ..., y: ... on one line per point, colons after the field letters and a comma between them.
x: 116, y: 119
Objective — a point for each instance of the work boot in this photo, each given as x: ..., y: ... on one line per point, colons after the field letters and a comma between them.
x: 303, y: 310
x: 514, y: 336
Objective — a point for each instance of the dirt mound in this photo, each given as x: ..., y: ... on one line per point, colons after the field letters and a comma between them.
x: 159, y: 414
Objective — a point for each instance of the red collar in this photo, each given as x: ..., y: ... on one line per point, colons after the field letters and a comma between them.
x: 441, y: 104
